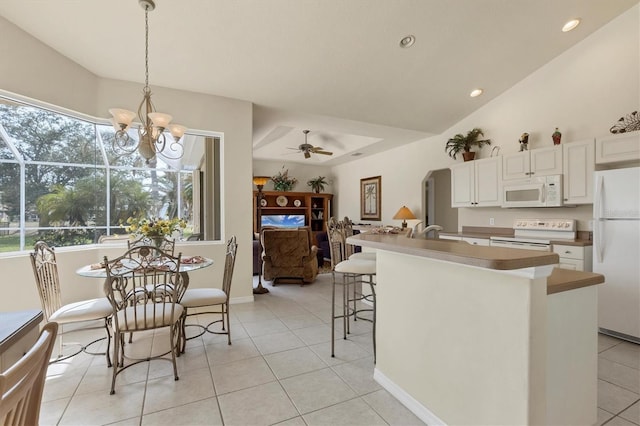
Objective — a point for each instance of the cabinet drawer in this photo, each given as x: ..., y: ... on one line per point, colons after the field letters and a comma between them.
x: 572, y: 264
x: 569, y: 252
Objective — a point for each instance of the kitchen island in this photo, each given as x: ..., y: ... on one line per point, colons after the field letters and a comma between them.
x: 484, y: 335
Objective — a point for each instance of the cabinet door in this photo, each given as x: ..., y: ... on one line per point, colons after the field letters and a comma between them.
x: 462, y: 185
x: 618, y: 148
x: 546, y: 161
x: 488, y: 182
x: 578, y: 164
x: 515, y: 166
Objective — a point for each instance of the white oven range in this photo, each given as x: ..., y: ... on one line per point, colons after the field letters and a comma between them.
x: 536, y: 234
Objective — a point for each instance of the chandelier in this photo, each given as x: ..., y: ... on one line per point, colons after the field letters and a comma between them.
x: 151, y: 133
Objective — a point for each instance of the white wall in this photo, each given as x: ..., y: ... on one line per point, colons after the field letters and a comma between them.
x: 583, y: 92
x: 302, y: 172
x: 32, y: 69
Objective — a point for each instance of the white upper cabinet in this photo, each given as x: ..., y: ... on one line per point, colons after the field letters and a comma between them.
x: 537, y: 162
x: 578, y: 166
x: 477, y: 183
x: 620, y: 148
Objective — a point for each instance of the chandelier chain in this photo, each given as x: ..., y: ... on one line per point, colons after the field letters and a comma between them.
x: 146, y: 47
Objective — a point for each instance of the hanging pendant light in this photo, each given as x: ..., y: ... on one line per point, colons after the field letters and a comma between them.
x: 151, y: 137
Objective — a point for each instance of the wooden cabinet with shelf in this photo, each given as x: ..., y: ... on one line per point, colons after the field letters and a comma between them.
x: 316, y: 208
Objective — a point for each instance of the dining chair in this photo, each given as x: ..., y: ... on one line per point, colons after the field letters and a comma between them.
x: 144, y: 286
x: 45, y: 271
x: 22, y: 384
x: 165, y: 244
x: 195, y: 298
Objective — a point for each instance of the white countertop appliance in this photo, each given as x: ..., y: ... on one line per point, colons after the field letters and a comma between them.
x: 616, y: 251
x: 536, y: 234
x: 541, y: 191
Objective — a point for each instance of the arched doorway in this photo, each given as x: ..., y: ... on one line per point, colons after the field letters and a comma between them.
x: 436, y: 200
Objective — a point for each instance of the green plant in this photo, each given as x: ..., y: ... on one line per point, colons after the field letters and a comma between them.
x: 282, y: 181
x: 461, y: 143
x: 317, y: 184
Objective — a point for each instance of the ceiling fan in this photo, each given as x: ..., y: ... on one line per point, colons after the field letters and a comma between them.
x: 309, y: 149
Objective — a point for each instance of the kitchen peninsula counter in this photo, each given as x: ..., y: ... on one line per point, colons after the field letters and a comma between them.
x: 484, y: 335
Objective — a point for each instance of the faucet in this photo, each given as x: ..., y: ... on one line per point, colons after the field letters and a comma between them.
x: 423, y: 234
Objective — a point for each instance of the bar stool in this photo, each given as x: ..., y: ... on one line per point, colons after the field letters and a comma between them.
x: 352, y: 272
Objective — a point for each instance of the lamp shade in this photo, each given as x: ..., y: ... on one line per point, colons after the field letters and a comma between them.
x: 260, y: 180
x: 160, y: 119
x: 404, y: 213
x: 177, y: 131
x: 122, y: 116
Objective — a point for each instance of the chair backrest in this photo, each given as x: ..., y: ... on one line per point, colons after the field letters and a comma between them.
x: 335, y: 234
x: 143, y: 275
x: 165, y: 244
x: 229, y: 264
x: 286, y: 247
x: 45, y: 271
x: 21, y: 385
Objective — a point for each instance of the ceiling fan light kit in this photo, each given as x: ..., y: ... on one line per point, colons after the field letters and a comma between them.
x: 307, y: 149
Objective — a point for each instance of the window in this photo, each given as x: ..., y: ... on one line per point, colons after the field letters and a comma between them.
x: 62, y: 181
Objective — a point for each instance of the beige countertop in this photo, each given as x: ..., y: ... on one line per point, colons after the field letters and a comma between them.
x: 485, y: 257
x: 565, y: 279
x: 457, y: 251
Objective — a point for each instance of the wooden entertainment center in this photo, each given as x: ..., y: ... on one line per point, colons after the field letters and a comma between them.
x: 316, y: 208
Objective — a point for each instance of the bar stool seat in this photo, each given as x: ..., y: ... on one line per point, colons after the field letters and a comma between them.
x: 362, y: 255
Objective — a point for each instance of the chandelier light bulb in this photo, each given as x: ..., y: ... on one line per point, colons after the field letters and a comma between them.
x: 177, y: 131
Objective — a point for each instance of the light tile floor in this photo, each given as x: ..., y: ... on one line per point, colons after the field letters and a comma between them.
x: 277, y: 371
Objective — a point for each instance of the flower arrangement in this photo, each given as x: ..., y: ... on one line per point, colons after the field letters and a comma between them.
x: 282, y: 181
x: 154, y: 227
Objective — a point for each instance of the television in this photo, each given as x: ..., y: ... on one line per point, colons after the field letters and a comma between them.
x: 282, y: 220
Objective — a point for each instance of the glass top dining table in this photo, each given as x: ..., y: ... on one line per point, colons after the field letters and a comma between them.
x: 191, y: 263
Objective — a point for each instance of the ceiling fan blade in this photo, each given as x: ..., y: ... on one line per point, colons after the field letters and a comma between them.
x: 306, y: 154
x: 323, y: 152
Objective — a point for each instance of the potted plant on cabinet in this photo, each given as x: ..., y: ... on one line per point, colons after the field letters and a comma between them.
x: 317, y: 184
x: 463, y: 143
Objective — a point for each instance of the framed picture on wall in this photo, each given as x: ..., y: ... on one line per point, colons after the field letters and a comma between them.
x: 370, y: 198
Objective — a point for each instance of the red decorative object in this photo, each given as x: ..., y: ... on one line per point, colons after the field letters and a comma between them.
x: 556, y: 136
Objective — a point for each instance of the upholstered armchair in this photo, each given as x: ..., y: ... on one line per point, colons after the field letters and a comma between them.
x: 288, y: 254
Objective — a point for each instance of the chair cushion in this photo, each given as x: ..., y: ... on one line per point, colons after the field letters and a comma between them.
x: 356, y: 266
x: 85, y: 310
x: 196, y: 297
x: 363, y: 255
x: 154, y: 313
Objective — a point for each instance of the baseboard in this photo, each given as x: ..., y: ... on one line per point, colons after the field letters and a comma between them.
x: 245, y: 299
x: 422, y: 412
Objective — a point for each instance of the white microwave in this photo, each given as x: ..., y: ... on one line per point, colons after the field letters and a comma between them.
x: 542, y: 191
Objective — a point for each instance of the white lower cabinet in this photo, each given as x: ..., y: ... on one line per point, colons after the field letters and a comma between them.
x: 577, y: 258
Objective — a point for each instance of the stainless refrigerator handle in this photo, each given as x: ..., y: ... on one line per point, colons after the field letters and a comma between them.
x: 596, y: 219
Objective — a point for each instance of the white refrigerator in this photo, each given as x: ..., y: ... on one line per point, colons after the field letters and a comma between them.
x: 616, y: 251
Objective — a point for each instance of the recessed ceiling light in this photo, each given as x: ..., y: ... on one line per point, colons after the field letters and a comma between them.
x: 475, y: 92
x: 570, y: 25
x: 407, y: 41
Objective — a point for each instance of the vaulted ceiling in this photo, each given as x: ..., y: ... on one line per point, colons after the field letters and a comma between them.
x: 334, y: 67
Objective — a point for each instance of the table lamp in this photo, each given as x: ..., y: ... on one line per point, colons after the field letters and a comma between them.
x: 260, y: 182
x: 404, y: 213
